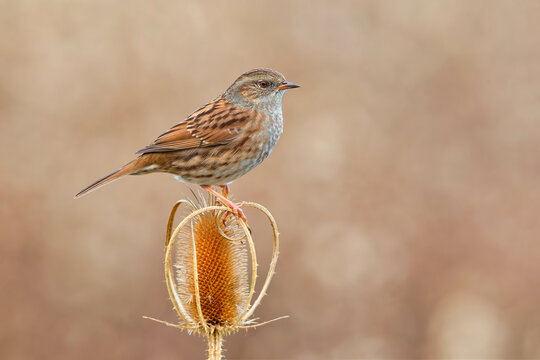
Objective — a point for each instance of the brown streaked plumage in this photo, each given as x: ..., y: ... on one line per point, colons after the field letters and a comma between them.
x: 219, y: 142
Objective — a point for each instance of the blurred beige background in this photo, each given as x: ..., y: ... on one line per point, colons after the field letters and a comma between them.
x: 406, y: 183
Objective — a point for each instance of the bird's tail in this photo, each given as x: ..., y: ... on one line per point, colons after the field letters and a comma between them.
x: 127, y: 169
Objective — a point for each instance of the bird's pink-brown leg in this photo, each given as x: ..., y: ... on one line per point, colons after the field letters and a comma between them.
x: 236, y: 210
x: 225, y: 193
x: 224, y: 190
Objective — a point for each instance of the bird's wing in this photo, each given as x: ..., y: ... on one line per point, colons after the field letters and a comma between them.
x: 216, y: 123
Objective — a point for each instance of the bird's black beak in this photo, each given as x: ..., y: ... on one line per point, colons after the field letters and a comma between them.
x: 287, y: 85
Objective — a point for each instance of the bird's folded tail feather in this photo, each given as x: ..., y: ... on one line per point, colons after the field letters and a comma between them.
x: 127, y: 169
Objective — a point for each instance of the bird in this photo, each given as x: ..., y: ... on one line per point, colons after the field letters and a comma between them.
x: 219, y: 142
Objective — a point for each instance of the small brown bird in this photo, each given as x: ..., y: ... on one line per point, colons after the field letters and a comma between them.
x: 219, y: 142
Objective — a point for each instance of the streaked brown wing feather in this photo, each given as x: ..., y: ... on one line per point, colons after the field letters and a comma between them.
x: 216, y: 123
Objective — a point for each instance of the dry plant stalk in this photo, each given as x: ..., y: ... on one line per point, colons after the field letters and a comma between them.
x: 207, y: 272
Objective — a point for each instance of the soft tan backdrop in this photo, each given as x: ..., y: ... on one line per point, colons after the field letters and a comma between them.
x: 406, y: 184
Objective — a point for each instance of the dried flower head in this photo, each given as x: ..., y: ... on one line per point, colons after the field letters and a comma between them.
x: 218, y: 271
x: 209, y: 275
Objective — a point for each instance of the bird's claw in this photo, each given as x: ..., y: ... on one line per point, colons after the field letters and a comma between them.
x: 238, y: 214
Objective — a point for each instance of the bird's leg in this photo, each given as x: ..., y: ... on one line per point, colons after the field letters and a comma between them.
x: 224, y: 190
x: 235, y: 209
x: 225, y: 193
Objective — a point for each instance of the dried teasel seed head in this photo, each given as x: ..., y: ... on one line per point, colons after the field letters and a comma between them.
x: 218, y: 269
x: 209, y: 275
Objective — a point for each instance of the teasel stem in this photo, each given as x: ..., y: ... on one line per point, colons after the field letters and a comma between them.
x: 207, y: 281
x: 215, y: 343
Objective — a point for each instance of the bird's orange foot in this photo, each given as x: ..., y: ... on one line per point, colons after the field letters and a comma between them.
x: 237, y: 211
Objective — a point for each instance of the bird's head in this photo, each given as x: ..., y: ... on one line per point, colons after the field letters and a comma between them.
x: 258, y: 88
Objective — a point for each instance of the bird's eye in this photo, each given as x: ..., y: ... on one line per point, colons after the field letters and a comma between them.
x: 263, y: 84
